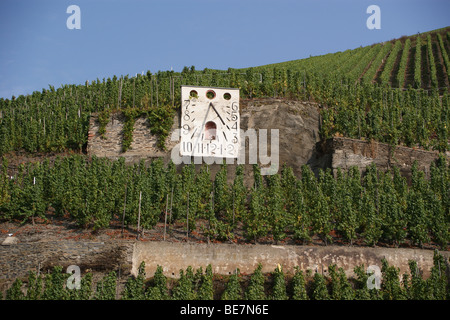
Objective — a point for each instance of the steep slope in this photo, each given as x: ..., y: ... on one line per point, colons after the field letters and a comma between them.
x: 377, y: 62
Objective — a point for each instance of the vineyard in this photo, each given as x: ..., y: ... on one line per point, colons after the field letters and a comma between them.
x: 396, y: 92
x: 205, y: 285
x: 419, y: 61
x: 387, y: 92
x: 378, y: 207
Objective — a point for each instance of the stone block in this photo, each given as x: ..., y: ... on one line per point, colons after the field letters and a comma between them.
x: 10, y: 241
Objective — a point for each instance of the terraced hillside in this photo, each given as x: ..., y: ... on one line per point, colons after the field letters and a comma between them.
x: 419, y: 61
x: 394, y: 92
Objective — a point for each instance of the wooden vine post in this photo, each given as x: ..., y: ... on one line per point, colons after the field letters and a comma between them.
x: 124, y: 207
x: 165, y: 216
x: 139, y: 215
x: 187, y: 218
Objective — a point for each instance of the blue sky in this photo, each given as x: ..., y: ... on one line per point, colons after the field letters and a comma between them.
x: 120, y: 37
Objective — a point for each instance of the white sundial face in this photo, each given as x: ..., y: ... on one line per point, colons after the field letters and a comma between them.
x: 210, y: 122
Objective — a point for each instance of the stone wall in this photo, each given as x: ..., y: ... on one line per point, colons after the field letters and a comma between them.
x: 143, y: 145
x: 126, y: 255
x: 297, y: 122
x: 225, y: 258
x: 344, y: 153
x: 299, y: 143
x: 16, y: 260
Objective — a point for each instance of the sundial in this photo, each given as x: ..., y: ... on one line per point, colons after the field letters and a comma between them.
x: 210, y: 122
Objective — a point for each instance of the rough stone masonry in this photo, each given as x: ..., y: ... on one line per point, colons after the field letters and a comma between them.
x: 17, y: 259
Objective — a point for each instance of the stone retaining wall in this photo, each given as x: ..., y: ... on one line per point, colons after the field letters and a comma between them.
x: 344, y: 153
x: 143, y: 146
x: 225, y: 258
x: 299, y: 143
x: 16, y: 260
x: 125, y: 257
x: 297, y: 123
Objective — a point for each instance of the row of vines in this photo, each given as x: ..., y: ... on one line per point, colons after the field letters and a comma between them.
x: 418, y: 55
x: 203, y: 285
x: 376, y: 207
